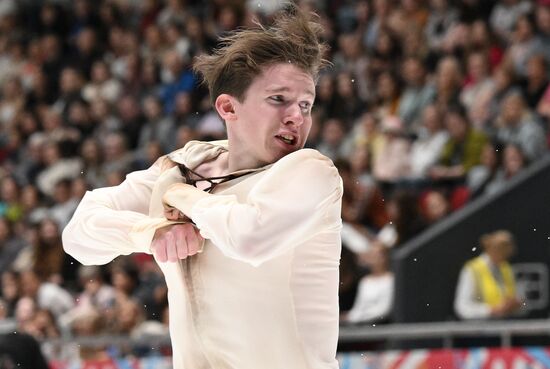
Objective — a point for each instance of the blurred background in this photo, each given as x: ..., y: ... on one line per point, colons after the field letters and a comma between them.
x: 436, y: 113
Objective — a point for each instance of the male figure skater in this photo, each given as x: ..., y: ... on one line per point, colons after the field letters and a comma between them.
x: 246, y: 231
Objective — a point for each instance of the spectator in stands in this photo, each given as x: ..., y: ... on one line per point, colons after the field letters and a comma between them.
x: 92, y: 160
x: 487, y: 109
x: 10, y: 205
x: 486, y: 286
x: 481, y: 175
x: 385, y: 54
x: 10, y: 244
x: 13, y: 101
x: 56, y: 168
x: 482, y: 39
x: 536, y: 81
x: 427, y: 148
x: 131, y: 119
x: 348, y: 105
x: 102, y: 85
x: 176, y: 79
x: 332, y: 138
x: 96, y: 293
x: 352, y: 62
x: 516, y: 124
x: 365, y: 132
x: 417, y: 93
x: 513, y: 161
x: 440, y: 21
x: 50, y: 263
x: 88, y: 323
x: 390, y: 159
x: 505, y: 16
x: 374, y: 300
x: 158, y: 127
x: 11, y: 291
x: 124, y: 278
x: 388, y: 95
x: 542, y: 13
x: 362, y: 203
x: 326, y: 93
x: 405, y: 221
x: 479, y: 82
x: 461, y: 152
x: 45, y: 295
x: 525, y: 44
x: 64, y: 204
x: 436, y: 206
x: 116, y: 154
x: 448, y: 81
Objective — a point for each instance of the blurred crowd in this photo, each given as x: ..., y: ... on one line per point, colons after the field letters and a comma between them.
x: 427, y: 106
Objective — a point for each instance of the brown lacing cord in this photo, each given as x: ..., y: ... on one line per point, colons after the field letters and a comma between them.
x: 186, y: 173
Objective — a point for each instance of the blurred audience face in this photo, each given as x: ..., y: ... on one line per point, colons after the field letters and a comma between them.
x: 543, y: 19
x: 503, y: 78
x: 49, y: 232
x: 513, y: 160
x: 5, y: 231
x: 25, y: 310
x: 333, y: 132
x: 448, y: 73
x: 498, y: 245
x: 456, y: 125
x: 30, y: 283
x: 479, y: 34
x: 100, y: 72
x: 10, y: 286
x: 152, y: 108
x: 413, y: 72
x: 523, y: 30
x: 431, y: 119
x: 79, y: 187
x: 360, y: 159
x: 9, y: 191
x: 86, y: 41
x: 70, y: 81
x: 128, y: 108
x: 436, y: 206
x: 114, y: 146
x: 325, y: 87
x: 90, y: 151
x: 344, y: 85
x: 62, y: 191
x: 536, y: 68
x: 477, y: 66
x: 512, y: 108
x: 489, y: 156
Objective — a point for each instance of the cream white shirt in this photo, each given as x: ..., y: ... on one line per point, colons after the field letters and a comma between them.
x: 263, y: 293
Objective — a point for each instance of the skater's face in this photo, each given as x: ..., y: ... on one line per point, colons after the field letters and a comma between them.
x: 274, y: 117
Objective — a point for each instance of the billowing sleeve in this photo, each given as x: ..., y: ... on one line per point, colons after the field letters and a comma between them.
x: 298, y: 197
x: 100, y: 228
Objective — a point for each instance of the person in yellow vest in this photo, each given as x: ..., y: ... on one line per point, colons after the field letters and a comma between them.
x: 486, y: 285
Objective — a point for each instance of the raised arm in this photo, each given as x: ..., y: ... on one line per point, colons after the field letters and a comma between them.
x: 299, y: 197
x: 100, y: 228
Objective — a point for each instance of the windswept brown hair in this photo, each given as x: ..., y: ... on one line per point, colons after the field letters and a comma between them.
x: 294, y: 37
